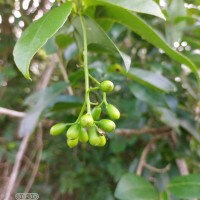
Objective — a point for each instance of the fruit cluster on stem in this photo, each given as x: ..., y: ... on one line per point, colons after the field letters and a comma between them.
x: 88, y: 126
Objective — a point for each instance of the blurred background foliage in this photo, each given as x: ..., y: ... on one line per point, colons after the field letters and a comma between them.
x: 87, y: 172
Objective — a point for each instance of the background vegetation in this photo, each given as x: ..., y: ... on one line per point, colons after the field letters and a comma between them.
x: 157, y: 137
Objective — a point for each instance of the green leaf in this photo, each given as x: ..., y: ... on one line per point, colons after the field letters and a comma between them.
x: 148, y: 95
x: 190, y: 127
x: 37, y: 103
x: 37, y: 34
x: 185, y: 187
x: 168, y: 117
x: 63, y: 40
x: 140, y: 27
x: 97, y: 37
x: 146, y: 78
x: 164, y: 196
x: 151, y: 79
x: 141, y: 6
x: 132, y: 187
x: 63, y: 102
x: 174, y: 30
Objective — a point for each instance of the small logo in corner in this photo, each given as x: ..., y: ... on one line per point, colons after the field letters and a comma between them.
x: 24, y: 196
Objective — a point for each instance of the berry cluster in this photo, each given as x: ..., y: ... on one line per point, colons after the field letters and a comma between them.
x: 89, y: 126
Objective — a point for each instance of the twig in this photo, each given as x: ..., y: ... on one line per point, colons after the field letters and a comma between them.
x: 16, y: 167
x: 11, y: 113
x: 37, y: 163
x: 23, y: 145
x: 44, y: 81
x: 144, y: 155
x: 182, y: 166
x: 64, y: 73
x: 154, y: 169
x: 156, y: 131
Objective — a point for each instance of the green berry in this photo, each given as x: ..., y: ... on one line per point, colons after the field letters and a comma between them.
x: 102, y: 141
x: 94, y: 138
x: 73, y: 131
x: 72, y: 143
x: 112, y: 111
x: 106, y: 86
x: 57, y: 129
x: 83, y: 135
x: 87, y: 120
x: 96, y: 112
x: 106, y: 125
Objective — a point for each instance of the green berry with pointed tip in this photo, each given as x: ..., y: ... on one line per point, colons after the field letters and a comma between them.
x: 112, y: 111
x: 102, y: 141
x: 87, y: 120
x: 106, y: 86
x: 94, y: 139
x: 72, y: 143
x: 83, y: 135
x: 57, y: 129
x: 96, y: 112
x: 106, y: 125
x: 73, y: 131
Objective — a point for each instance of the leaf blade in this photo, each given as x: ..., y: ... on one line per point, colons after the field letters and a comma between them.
x: 137, y: 25
x: 185, y: 186
x: 37, y: 34
x: 97, y: 36
x: 141, y: 6
x: 132, y: 187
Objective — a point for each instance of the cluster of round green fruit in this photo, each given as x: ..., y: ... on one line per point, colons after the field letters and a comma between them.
x: 88, y: 127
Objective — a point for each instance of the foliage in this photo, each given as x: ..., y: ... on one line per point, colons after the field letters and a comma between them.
x: 155, y: 68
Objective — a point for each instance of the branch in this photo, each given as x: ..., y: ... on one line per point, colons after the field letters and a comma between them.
x: 143, y: 163
x: 37, y: 163
x: 64, y: 73
x: 16, y: 167
x: 10, y: 186
x: 182, y: 166
x: 154, y: 131
x: 156, y: 170
x: 11, y: 113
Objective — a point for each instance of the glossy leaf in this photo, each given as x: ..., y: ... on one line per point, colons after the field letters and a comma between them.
x: 132, y: 187
x: 185, y: 187
x: 146, y: 78
x: 175, y: 29
x: 37, y: 103
x: 148, y: 95
x: 37, y: 34
x: 151, y: 79
x: 97, y: 37
x: 141, y: 6
x: 136, y: 24
x: 63, y: 102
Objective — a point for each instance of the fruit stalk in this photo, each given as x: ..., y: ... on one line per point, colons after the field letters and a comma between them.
x: 85, y: 53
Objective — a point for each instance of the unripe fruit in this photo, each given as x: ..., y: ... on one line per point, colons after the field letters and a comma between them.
x: 83, y: 135
x: 57, y: 129
x: 106, y: 125
x: 72, y: 143
x: 87, y: 120
x: 94, y: 138
x: 112, y: 111
x: 96, y: 112
x: 102, y: 141
x: 106, y: 86
x: 73, y: 131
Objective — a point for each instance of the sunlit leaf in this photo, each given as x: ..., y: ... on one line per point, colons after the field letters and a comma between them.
x: 141, y: 6
x: 97, y: 37
x: 136, y: 24
x: 37, y: 34
x: 132, y: 187
x: 185, y: 187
